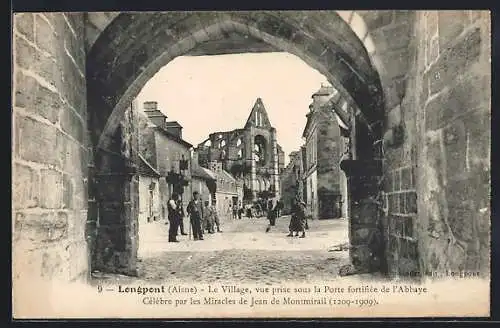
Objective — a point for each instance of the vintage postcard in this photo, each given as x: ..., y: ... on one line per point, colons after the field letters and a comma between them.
x: 251, y: 164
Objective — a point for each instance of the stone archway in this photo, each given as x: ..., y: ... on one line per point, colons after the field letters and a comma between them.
x: 134, y: 46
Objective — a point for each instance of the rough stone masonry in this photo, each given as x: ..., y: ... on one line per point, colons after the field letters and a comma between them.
x: 434, y: 69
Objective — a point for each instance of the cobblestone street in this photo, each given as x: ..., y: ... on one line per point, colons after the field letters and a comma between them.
x: 243, y: 252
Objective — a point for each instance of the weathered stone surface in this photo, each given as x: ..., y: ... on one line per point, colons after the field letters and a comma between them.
x: 393, y: 203
x: 26, y: 187
x: 33, y: 139
x: 411, y: 202
x: 398, y: 36
x: 377, y: 18
x: 46, y: 224
x: 364, y: 214
x: 54, y: 198
x: 36, y: 98
x: 79, y: 254
x: 38, y: 229
x: 451, y: 24
x: 73, y: 37
x: 72, y: 124
x: 456, y: 58
x: 395, y: 62
x: 45, y: 37
x: 406, y: 182
x: 24, y: 23
x: 478, y: 132
x: 402, y: 203
x: 77, y: 221
x: 27, y: 57
x: 454, y: 141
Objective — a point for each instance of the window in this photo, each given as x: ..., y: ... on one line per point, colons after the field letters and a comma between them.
x: 238, y: 142
x: 222, y: 143
x: 259, y: 151
x: 240, y: 153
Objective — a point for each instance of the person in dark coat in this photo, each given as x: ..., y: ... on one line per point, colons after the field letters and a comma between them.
x: 279, y: 207
x: 195, y: 212
x: 240, y: 211
x: 271, y: 215
x: 174, y: 215
x: 215, y: 215
x: 298, y: 219
x: 208, y: 219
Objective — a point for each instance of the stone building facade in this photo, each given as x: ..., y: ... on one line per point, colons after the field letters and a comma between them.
x: 290, y: 179
x: 250, y: 154
x: 217, y: 186
x: 325, y: 141
x: 165, y: 150
x: 429, y: 209
x: 204, y: 182
x: 150, y: 206
x: 229, y: 190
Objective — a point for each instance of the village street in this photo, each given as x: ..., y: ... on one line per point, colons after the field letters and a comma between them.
x: 243, y: 252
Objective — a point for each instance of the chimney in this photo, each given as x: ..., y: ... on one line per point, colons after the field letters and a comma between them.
x: 174, y: 128
x: 195, y: 158
x: 150, y: 105
x: 154, y: 115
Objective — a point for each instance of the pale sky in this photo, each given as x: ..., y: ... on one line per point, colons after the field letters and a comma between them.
x: 206, y: 94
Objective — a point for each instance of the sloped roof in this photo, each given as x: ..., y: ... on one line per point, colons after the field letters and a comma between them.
x: 173, y: 124
x: 325, y: 90
x: 227, y: 175
x: 147, y: 169
x: 258, y: 106
x: 173, y: 137
x: 201, y: 172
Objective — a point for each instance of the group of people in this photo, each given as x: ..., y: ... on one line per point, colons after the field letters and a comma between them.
x: 258, y: 208
x: 237, y: 210
x: 203, y: 217
x: 298, y: 221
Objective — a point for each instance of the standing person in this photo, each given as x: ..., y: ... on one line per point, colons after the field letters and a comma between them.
x: 235, y: 211
x: 215, y: 217
x: 208, y: 218
x: 173, y: 217
x: 279, y: 207
x: 271, y: 215
x: 240, y: 211
x: 181, y: 218
x: 297, y: 221
x: 195, y: 212
x: 250, y: 211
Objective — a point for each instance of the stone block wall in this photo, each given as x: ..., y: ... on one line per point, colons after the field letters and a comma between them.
x: 328, y: 153
x: 438, y: 149
x: 50, y: 153
x: 455, y: 97
x: 113, y: 228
